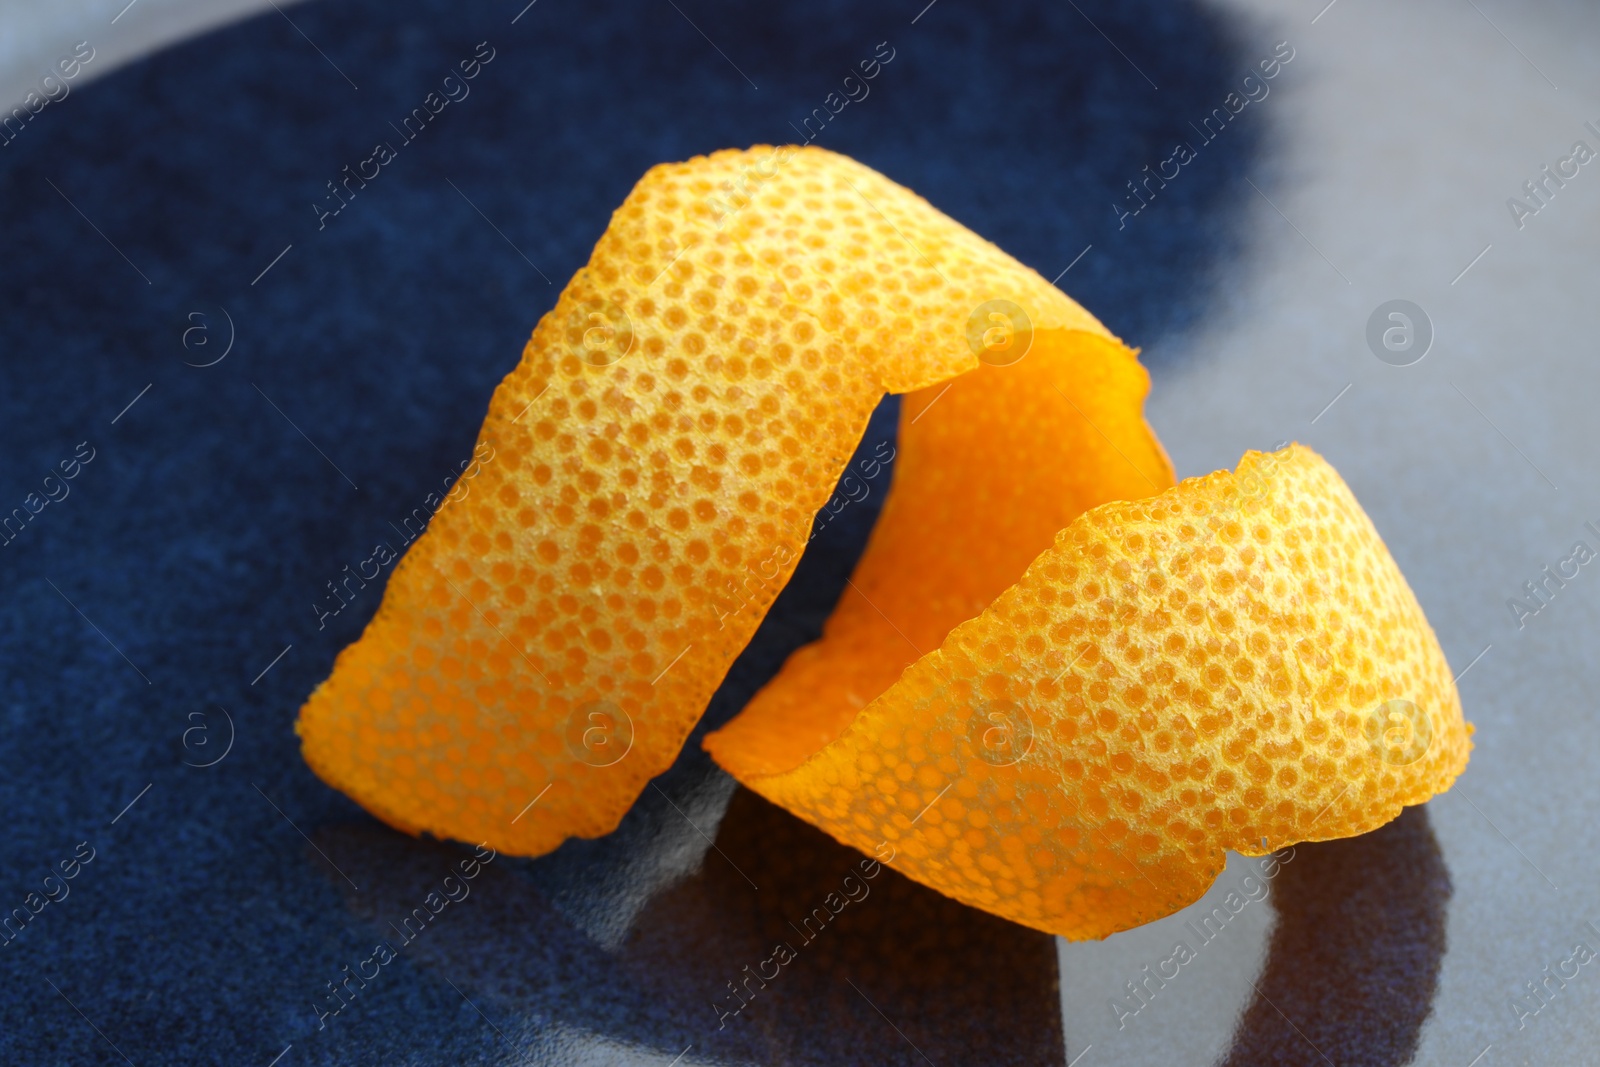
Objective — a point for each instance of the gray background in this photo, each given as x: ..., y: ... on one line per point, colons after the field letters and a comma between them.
x: 1396, y: 147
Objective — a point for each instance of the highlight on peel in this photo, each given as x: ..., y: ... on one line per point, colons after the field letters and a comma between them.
x: 1235, y: 663
x: 676, y: 421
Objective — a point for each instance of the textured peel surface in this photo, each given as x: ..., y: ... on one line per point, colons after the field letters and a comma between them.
x: 651, y: 472
x: 1236, y: 663
x: 989, y: 469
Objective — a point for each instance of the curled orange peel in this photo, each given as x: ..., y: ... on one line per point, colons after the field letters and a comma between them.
x: 1233, y: 664
x: 658, y: 455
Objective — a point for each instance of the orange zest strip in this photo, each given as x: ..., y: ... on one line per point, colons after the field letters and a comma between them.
x: 1231, y: 663
x: 658, y: 455
x: 1236, y: 663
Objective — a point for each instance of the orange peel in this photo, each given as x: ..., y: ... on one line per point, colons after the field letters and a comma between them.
x: 674, y: 425
x: 1233, y: 664
x: 1073, y: 749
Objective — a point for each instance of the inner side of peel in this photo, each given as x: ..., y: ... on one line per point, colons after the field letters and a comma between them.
x: 989, y: 467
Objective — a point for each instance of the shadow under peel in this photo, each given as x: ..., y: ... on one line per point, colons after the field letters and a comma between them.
x: 880, y: 970
x: 1353, y: 964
